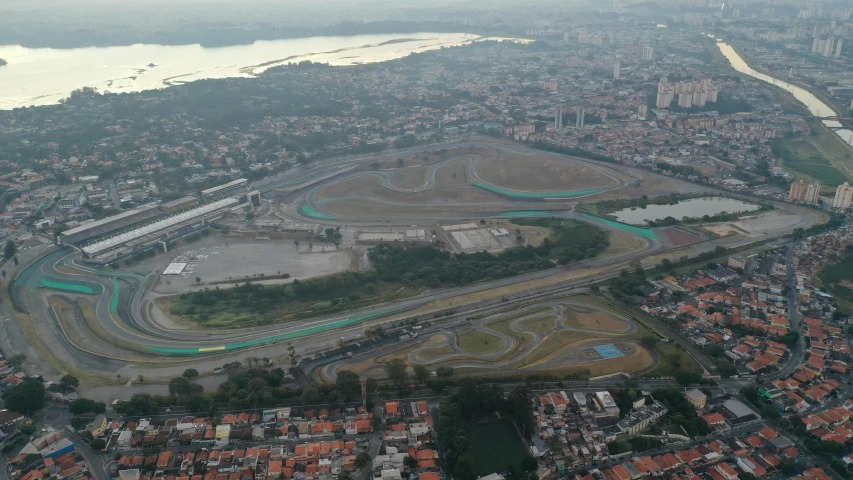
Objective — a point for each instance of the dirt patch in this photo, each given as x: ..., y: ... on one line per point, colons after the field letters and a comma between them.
x: 622, y: 242
x: 541, y: 172
x: 678, y: 237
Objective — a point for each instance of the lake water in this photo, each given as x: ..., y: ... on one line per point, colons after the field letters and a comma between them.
x: 812, y: 103
x: 694, y: 207
x: 44, y: 76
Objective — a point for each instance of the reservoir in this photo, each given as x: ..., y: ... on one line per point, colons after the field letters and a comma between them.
x: 812, y: 103
x: 44, y: 76
x: 694, y: 207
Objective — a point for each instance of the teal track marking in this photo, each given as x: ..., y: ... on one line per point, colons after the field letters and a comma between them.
x: 646, y: 232
x: 517, y: 194
x: 310, y: 212
x: 284, y: 336
x: 114, y: 300
x: 68, y: 287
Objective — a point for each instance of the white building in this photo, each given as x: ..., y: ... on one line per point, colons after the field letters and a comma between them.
x: 843, y: 196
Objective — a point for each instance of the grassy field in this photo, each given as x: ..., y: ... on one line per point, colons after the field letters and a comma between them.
x: 480, y: 343
x: 539, y: 325
x: 225, y: 315
x: 556, y: 342
x: 838, y: 280
x: 818, y: 158
x: 595, y: 320
x: 495, y: 446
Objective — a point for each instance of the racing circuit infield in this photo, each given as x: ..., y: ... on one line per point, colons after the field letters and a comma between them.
x: 458, y: 184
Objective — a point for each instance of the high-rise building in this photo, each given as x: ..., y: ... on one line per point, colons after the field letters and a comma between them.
x: 838, y: 48
x: 797, y: 190
x: 689, y: 94
x: 583, y: 35
x: 558, y: 119
x: 812, y: 194
x: 843, y: 196
x: 579, y: 118
x: 648, y: 52
x: 616, y: 70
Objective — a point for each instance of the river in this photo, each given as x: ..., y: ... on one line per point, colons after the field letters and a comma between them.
x: 44, y: 76
x: 817, y: 107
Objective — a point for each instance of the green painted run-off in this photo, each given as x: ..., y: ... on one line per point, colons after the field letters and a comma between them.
x: 646, y: 232
x: 68, y: 287
x: 114, y: 299
x: 310, y: 212
x: 517, y: 194
x: 275, y: 338
x: 522, y: 213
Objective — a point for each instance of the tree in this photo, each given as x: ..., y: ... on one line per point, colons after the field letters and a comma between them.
x: 688, y: 378
x: 15, y: 361
x: 362, y: 460
x: 190, y: 373
x: 292, y: 356
x: 26, y: 397
x: 181, y: 386
x: 397, y: 372
x: 444, y: 372
x: 82, y: 406
x: 98, y: 444
x: 311, y: 395
x: 348, y: 384
x: 410, y: 462
x: 10, y: 249
x: 69, y: 382
x: 139, y: 404
x: 649, y: 342
x: 422, y: 373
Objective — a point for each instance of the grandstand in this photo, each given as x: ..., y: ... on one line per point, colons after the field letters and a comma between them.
x: 151, y: 232
x: 224, y: 190
x: 110, y: 225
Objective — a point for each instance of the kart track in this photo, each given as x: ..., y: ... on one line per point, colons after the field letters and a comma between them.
x: 468, y: 179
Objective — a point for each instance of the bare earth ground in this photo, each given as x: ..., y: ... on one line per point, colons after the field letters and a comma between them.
x: 540, y: 172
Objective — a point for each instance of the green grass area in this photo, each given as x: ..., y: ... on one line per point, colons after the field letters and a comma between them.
x: 552, y: 344
x: 540, y: 325
x: 250, y: 306
x: 803, y: 158
x: 837, y: 279
x: 495, y: 446
x: 277, y: 338
x: 480, y: 343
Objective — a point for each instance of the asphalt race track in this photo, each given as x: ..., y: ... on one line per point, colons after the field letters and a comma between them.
x: 130, y: 342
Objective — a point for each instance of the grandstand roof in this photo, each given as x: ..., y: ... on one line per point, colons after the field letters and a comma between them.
x: 110, y: 224
x: 156, y: 227
x: 214, y: 190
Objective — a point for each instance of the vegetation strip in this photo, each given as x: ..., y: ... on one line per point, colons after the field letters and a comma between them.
x: 284, y: 336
